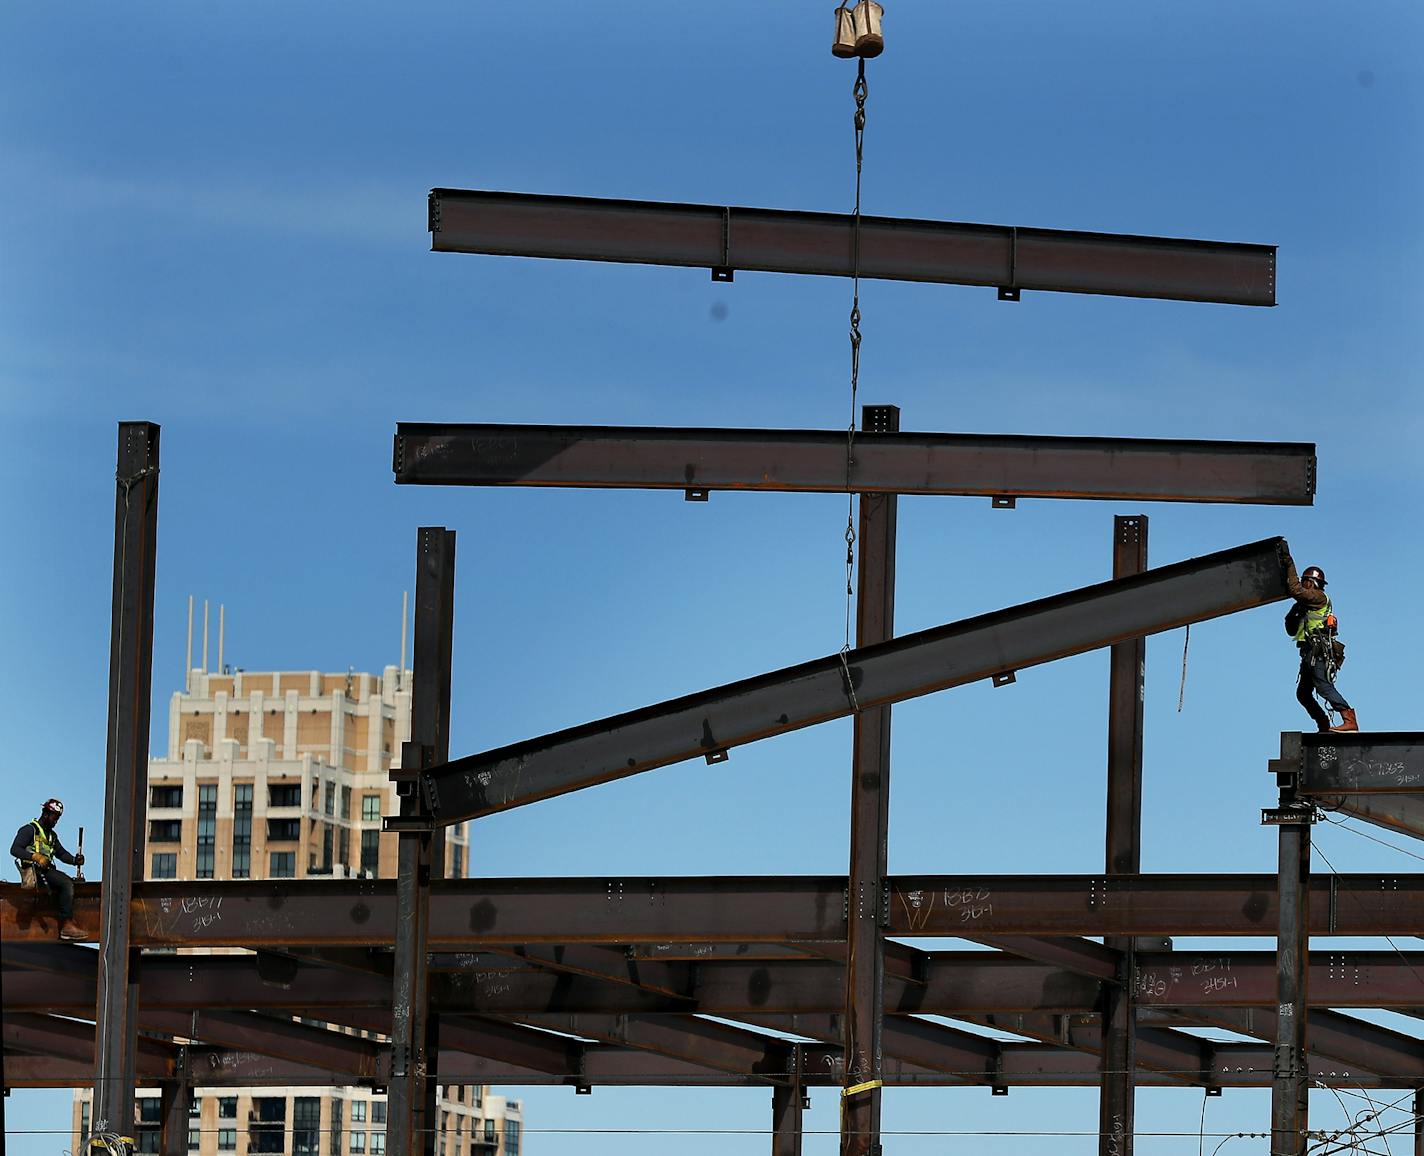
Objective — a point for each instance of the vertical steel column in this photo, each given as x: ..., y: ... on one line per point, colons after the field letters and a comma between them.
x: 413, y: 1120
x: 1290, y: 1083
x: 787, y: 1101
x: 176, y: 1095
x: 869, y: 822
x: 1118, y: 1060
x: 125, y: 767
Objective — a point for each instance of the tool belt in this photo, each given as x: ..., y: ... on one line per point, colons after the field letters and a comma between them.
x: 29, y: 877
x: 1324, y: 646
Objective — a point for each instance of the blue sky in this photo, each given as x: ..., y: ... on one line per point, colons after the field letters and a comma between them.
x: 213, y: 217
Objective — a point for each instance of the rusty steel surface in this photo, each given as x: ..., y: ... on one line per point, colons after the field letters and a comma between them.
x: 1368, y: 762
x: 663, y: 911
x: 954, y: 983
x: 770, y: 240
x: 711, y: 723
x: 813, y: 461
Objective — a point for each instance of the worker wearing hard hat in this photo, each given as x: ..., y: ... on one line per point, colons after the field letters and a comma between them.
x: 35, y: 848
x: 1311, y: 622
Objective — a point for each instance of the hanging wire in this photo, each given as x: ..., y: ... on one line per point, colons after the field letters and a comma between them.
x: 1182, y: 689
x: 860, y: 91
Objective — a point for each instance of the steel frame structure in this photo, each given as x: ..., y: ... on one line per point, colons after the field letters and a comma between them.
x: 571, y: 982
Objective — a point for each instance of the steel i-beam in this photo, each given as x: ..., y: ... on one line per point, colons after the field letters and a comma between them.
x: 869, y: 826
x: 698, y: 461
x: 421, y: 855
x: 993, y: 645
x: 787, y: 1102
x: 1118, y: 1058
x: 126, y: 763
x: 1290, y: 1077
x: 725, y: 239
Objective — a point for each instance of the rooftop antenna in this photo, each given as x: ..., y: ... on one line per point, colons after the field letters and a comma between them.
x: 221, y: 624
x: 405, y: 617
x: 205, y: 636
x: 188, y: 663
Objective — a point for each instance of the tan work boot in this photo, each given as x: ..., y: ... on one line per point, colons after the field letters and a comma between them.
x: 1347, y: 722
x: 72, y: 930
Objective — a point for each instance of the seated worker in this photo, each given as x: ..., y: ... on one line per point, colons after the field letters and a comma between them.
x: 36, y: 845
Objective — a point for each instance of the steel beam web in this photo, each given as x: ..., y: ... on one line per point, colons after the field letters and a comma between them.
x: 710, y: 723
x: 126, y: 763
x: 724, y: 239
x: 813, y: 461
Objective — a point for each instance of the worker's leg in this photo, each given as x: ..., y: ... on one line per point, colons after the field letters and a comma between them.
x: 1304, y: 684
x: 63, y: 888
x: 1320, y: 676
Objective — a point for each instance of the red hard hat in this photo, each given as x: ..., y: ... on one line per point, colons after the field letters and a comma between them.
x: 1314, y: 572
x: 53, y: 805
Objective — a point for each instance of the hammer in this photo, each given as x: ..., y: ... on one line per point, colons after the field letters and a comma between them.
x: 79, y: 871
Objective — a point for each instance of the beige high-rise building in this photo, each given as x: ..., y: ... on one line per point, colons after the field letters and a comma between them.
x: 285, y: 775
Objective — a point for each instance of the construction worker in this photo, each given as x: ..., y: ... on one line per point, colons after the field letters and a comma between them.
x: 1311, y: 622
x: 37, y: 846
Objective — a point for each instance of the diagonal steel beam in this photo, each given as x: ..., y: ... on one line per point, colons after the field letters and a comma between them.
x: 712, y: 722
x: 1071, y: 953
x: 724, y: 239
x: 713, y: 1045
x: 813, y: 461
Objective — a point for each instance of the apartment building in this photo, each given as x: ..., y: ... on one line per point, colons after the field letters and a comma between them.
x: 285, y: 775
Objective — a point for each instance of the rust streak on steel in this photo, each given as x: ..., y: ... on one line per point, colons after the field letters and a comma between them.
x: 888, y: 462
x: 724, y: 238
x: 709, y: 724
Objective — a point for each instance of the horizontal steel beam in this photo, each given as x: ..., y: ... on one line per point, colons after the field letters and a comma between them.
x: 724, y: 239
x: 955, y: 983
x: 666, y: 912
x: 814, y: 461
x: 709, y: 724
x: 1370, y: 762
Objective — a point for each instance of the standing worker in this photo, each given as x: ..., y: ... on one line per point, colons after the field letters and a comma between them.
x: 37, y: 846
x: 1311, y: 622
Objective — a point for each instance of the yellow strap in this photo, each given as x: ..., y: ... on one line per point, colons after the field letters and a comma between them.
x: 865, y: 1087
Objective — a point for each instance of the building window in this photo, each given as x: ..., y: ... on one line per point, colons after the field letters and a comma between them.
x: 284, y: 795
x: 378, y: 1143
x: 457, y: 861
x: 267, y: 1130
x: 161, y: 797
x: 195, y: 1138
x: 378, y: 1111
x: 165, y: 865
x: 489, y: 1132
x: 282, y: 865
x: 227, y: 1107
x: 511, y: 1138
x: 329, y: 799
x: 195, y: 1105
x: 358, y: 1111
x: 207, y: 828
x: 165, y: 830
x: 357, y: 1142
x: 370, y: 851
x: 227, y: 1139
x: 306, y: 1125
x: 284, y: 830
x: 370, y: 808
x: 84, y: 1121
x: 241, y: 830
x: 327, y: 838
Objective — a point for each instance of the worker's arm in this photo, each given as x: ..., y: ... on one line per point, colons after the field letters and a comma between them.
x: 61, y: 854
x: 1302, y: 594
x: 20, y: 848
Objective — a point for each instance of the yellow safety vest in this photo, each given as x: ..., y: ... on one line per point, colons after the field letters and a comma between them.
x: 43, y: 842
x: 1313, y: 622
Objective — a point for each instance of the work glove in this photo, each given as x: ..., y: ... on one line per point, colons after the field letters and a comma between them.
x: 79, y: 859
x: 40, y: 860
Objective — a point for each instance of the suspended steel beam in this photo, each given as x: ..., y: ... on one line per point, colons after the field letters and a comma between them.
x: 956, y: 984
x: 725, y: 239
x: 126, y: 762
x: 889, y: 462
x: 470, y: 915
x: 993, y: 645
x: 1371, y: 762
